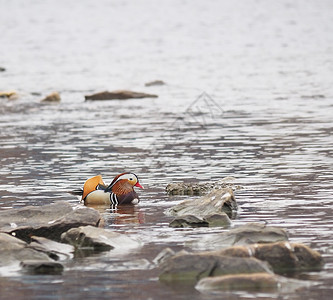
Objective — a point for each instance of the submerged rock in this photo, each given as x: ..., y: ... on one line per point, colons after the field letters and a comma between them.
x: 155, y: 83
x: 243, y: 235
x: 120, y: 94
x: 256, y: 282
x: 199, y: 188
x: 53, y: 97
x: 284, y: 257
x: 191, y: 267
x: 217, y: 201
x: 2, y: 69
x: 98, y: 239
x: 48, y: 221
x: 34, y: 267
x: 215, y: 220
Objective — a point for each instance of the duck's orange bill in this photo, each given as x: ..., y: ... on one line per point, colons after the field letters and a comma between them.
x: 138, y: 185
x: 91, y: 184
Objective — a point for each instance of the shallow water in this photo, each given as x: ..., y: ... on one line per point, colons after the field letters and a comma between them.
x: 249, y: 94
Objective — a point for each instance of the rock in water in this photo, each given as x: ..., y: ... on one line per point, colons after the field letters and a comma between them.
x: 11, y: 95
x: 190, y: 267
x: 155, y: 83
x: 98, y: 239
x: 199, y: 188
x: 256, y: 282
x: 243, y: 235
x: 217, y: 201
x: 48, y: 221
x: 55, y: 250
x: 215, y: 220
x: 284, y: 257
x: 42, y: 267
x: 188, y: 221
x: 54, y: 97
x: 14, y: 250
x: 119, y: 95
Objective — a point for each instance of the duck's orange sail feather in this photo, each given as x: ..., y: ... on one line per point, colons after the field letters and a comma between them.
x: 91, y: 184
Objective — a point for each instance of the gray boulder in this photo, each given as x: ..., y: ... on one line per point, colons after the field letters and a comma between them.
x: 98, y: 239
x: 13, y: 251
x: 250, y: 233
x: 120, y: 95
x: 216, y: 202
x: 191, y: 267
x: 48, y: 221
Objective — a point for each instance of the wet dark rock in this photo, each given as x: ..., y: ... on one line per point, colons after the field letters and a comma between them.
x: 215, y: 220
x: 98, y: 239
x: 14, y: 250
x: 48, y: 221
x: 250, y: 233
x: 55, y: 250
x: 155, y: 83
x: 191, y: 267
x: 121, y: 94
x: 199, y: 188
x: 36, y: 267
x: 53, y: 97
x: 284, y: 257
x: 257, y: 282
x: 217, y: 201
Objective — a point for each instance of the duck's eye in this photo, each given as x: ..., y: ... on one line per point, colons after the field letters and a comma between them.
x: 131, y: 179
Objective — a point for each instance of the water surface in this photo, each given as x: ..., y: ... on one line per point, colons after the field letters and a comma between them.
x: 248, y: 95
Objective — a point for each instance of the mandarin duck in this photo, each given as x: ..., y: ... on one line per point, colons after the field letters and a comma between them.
x: 119, y: 192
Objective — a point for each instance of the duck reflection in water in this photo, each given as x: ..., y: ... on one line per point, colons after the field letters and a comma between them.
x: 121, y: 214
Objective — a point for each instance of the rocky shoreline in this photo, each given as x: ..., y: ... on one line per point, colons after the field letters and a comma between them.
x: 40, y: 239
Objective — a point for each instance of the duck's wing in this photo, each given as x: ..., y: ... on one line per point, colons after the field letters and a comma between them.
x: 92, y: 184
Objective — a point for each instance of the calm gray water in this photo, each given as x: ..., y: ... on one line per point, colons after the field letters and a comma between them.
x: 249, y: 94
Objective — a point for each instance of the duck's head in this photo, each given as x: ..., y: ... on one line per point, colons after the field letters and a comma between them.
x: 129, y: 178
